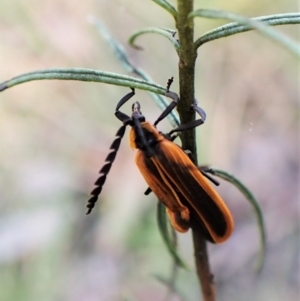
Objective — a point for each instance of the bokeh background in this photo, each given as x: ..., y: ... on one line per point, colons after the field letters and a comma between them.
x: 55, y: 135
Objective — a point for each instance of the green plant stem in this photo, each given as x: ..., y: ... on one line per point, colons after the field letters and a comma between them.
x: 187, y: 59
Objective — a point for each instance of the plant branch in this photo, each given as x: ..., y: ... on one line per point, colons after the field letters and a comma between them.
x: 187, y: 59
x: 83, y: 74
x: 167, y: 6
x: 160, y: 31
x: 235, y: 27
x: 245, y: 24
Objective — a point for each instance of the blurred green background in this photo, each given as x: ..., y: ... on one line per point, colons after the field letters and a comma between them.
x: 55, y: 136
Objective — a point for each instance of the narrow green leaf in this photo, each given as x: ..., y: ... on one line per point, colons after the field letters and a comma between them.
x: 168, y: 234
x: 167, y: 6
x: 160, y: 31
x: 253, y: 23
x: 82, y: 74
x: 235, y: 28
x: 255, y: 205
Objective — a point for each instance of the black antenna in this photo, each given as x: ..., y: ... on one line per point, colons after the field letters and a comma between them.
x: 112, y: 155
x: 105, y: 169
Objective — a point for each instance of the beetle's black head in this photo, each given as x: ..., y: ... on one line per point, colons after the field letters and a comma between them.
x: 143, y: 138
x: 136, y: 112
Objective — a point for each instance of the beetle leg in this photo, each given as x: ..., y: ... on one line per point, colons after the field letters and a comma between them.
x: 187, y: 126
x: 148, y: 191
x: 206, y: 175
x: 123, y: 117
x: 192, y: 124
x: 204, y: 169
x: 171, y: 106
x: 125, y: 99
x: 120, y: 115
x: 198, y: 110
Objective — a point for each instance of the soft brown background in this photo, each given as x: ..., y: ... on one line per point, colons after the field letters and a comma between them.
x: 54, y: 136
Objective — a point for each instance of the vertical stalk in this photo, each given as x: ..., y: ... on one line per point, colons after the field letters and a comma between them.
x: 187, y: 60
